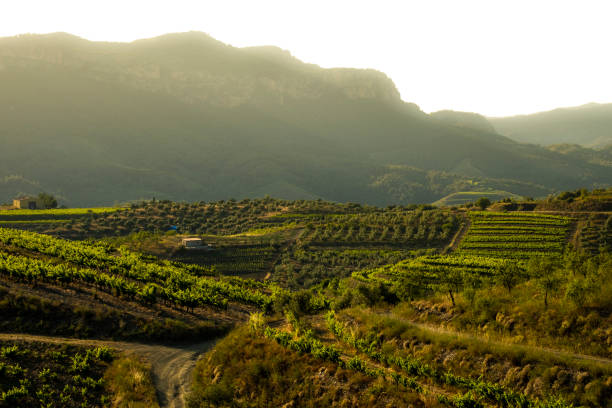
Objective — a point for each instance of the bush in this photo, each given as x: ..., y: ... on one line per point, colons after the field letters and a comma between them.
x: 483, y: 203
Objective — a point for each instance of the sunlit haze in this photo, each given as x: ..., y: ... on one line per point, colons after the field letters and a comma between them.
x: 492, y: 57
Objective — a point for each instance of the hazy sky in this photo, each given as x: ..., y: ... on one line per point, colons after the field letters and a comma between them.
x: 493, y: 57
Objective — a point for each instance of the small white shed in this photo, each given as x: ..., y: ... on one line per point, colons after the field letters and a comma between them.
x: 192, y: 243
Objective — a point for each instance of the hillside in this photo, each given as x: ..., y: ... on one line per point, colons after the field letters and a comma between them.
x: 587, y: 125
x: 352, y: 305
x: 460, y: 198
x: 186, y: 117
x: 601, y: 156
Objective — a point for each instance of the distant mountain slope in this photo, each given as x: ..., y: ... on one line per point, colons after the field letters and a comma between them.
x: 464, y: 197
x: 587, y: 125
x: 186, y: 117
x: 464, y: 119
x: 601, y: 156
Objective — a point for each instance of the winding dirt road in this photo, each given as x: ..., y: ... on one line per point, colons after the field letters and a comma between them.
x: 171, y: 365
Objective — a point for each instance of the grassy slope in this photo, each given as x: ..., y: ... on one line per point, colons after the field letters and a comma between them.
x: 129, y: 382
x: 246, y: 370
x: 535, y: 372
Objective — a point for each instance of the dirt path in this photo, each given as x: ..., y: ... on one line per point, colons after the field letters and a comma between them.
x: 576, y: 232
x: 458, y: 237
x: 171, y: 365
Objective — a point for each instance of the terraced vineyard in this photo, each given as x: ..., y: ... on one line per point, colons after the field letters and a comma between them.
x: 426, y: 271
x: 515, y: 235
x: 596, y: 233
x: 493, y: 243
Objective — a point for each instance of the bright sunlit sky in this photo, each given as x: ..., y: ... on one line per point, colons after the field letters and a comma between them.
x: 492, y: 57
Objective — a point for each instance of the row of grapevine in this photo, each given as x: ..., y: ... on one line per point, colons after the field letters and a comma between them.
x: 406, y: 226
x: 432, y: 271
x: 518, y: 236
x: 33, y: 271
x: 517, y: 229
x: 308, y: 344
x: 90, y: 255
x: 53, y: 215
x: 517, y: 245
x: 185, y: 283
x: 413, y: 366
x: 49, y: 376
x: 513, y: 238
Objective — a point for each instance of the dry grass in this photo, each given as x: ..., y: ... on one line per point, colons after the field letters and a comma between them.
x: 128, y: 381
x: 247, y: 370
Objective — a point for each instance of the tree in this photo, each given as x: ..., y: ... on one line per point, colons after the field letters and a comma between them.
x: 509, y: 275
x: 577, y: 291
x: 452, y: 281
x: 47, y: 200
x: 544, y: 271
x: 576, y: 261
x: 483, y: 203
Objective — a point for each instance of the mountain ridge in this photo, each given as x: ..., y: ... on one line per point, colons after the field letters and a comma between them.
x: 196, y: 119
x: 587, y: 125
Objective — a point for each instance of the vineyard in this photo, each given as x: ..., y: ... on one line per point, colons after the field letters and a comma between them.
x: 251, y: 260
x: 300, y: 243
x: 496, y: 243
x: 46, y: 375
x: 221, y: 218
x: 596, y: 233
x: 370, y: 355
x: 51, y: 219
x: 123, y: 274
x: 367, y: 293
x: 372, y: 347
x: 334, y: 246
x: 447, y: 361
x: 405, y: 228
x: 516, y: 235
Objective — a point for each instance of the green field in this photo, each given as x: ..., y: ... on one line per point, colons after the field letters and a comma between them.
x: 53, y: 214
x: 25, y: 222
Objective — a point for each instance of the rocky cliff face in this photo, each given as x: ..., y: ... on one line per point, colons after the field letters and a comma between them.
x: 196, y: 68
